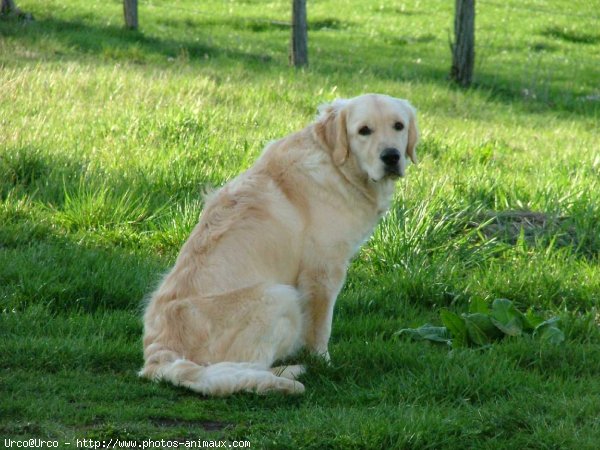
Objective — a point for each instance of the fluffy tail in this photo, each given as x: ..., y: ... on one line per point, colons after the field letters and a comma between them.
x: 225, y: 378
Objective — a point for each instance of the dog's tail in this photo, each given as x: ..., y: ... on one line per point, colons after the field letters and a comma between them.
x: 222, y: 378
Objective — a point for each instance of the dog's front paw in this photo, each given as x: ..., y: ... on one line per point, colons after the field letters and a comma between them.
x: 324, y: 354
x: 289, y: 372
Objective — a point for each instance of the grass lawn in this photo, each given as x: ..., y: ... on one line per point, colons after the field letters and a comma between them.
x: 108, y: 138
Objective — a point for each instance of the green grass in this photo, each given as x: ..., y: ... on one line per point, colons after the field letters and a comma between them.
x: 108, y: 138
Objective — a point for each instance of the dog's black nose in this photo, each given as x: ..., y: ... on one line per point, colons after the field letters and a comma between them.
x: 390, y: 156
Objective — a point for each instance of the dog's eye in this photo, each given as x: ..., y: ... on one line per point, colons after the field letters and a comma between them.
x: 398, y: 126
x: 365, y: 131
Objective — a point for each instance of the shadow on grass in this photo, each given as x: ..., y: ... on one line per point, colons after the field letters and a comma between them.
x: 95, y: 267
x: 571, y: 35
x: 117, y: 42
x: 38, y: 265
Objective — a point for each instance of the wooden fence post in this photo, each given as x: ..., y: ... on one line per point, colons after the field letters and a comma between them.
x: 130, y: 11
x: 298, y: 44
x: 463, y: 47
x: 8, y: 9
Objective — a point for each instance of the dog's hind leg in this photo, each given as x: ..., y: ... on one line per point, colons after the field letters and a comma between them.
x: 220, y: 345
x: 272, y: 327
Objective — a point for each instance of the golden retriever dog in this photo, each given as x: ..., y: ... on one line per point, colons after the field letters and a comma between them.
x: 259, y: 275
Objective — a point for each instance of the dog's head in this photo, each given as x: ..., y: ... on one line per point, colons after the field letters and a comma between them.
x: 377, y: 131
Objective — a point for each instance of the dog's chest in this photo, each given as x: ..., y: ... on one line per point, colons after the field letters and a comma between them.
x: 340, y: 232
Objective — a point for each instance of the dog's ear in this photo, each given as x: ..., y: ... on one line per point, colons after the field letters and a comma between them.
x: 413, y: 134
x: 331, y: 128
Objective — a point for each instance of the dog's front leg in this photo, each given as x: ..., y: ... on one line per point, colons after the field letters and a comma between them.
x: 320, y: 287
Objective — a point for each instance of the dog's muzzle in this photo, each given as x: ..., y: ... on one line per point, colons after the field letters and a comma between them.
x: 391, y: 162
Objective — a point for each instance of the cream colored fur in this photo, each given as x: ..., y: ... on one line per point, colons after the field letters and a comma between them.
x: 259, y: 275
